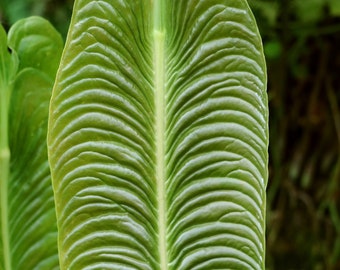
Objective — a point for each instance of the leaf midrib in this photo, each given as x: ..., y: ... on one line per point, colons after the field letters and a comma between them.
x: 4, y: 174
x: 158, y: 35
x: 160, y: 163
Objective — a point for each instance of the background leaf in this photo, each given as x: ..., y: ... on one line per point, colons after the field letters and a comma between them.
x: 37, y: 43
x: 29, y: 205
x: 158, y: 137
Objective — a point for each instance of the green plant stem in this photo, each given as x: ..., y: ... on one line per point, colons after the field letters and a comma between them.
x: 160, y: 130
x: 4, y: 175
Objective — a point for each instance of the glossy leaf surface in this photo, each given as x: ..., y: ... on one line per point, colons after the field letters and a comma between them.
x: 28, y: 220
x: 158, y: 137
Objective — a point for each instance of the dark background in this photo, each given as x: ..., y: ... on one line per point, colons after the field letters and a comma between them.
x: 302, y: 47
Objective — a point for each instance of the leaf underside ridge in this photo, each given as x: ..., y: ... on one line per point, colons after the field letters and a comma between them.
x: 158, y: 137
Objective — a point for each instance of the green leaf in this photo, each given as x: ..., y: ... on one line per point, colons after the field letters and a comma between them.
x: 158, y: 137
x: 28, y: 220
x: 37, y: 43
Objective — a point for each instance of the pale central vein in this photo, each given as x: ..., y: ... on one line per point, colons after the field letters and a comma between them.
x: 160, y: 140
x: 4, y: 175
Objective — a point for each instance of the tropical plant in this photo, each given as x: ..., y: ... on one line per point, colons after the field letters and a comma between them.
x: 28, y: 225
x: 158, y: 137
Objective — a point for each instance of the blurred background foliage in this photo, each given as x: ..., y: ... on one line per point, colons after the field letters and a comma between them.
x: 58, y: 12
x: 302, y: 47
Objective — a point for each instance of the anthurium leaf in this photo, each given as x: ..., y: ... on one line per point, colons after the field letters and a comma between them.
x: 32, y: 221
x: 37, y: 43
x: 158, y: 137
x: 28, y: 212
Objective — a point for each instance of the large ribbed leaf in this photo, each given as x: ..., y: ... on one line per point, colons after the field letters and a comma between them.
x: 158, y: 136
x: 28, y: 220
